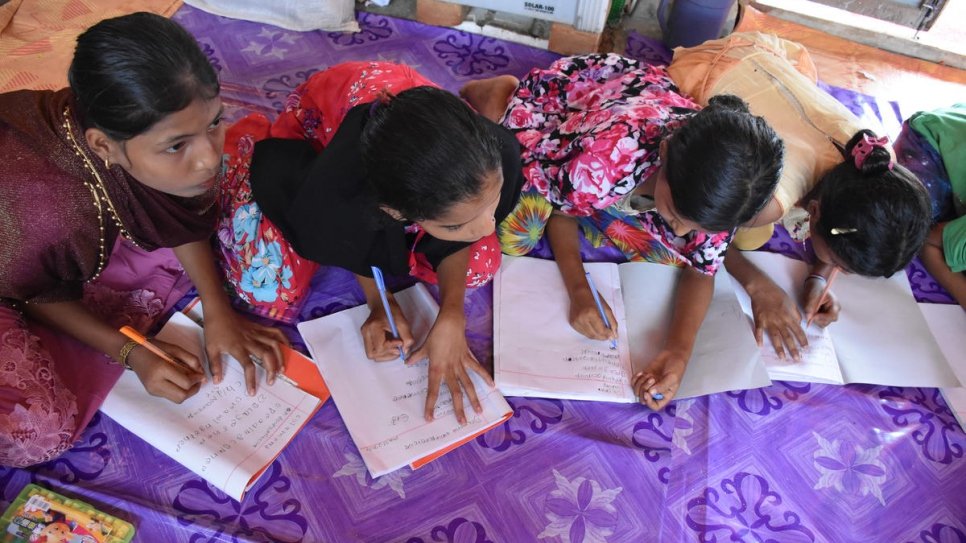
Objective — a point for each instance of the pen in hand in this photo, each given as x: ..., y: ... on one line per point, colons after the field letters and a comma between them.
x: 657, y: 396
x: 381, y: 285
x: 600, y: 307
x: 822, y: 297
x: 139, y: 338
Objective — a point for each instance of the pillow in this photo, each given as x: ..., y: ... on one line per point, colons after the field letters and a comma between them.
x: 301, y: 15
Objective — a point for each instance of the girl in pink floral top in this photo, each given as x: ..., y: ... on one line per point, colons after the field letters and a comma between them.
x: 609, y: 144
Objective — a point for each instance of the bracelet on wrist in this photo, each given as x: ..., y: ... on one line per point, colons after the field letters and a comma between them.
x: 816, y: 276
x: 125, y: 352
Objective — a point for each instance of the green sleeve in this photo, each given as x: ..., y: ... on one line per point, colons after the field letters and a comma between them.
x: 945, y: 129
x: 954, y: 244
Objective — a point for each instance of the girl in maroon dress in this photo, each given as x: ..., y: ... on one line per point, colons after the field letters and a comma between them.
x: 132, y: 150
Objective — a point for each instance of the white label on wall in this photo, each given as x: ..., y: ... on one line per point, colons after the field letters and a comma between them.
x: 561, y: 11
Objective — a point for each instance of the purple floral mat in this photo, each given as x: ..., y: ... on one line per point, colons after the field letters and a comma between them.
x: 791, y: 462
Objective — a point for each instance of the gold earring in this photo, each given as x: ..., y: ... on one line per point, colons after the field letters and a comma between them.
x: 107, y: 163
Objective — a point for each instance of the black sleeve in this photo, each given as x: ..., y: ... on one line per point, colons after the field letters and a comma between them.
x: 512, y: 173
x: 278, y: 170
x: 322, y: 205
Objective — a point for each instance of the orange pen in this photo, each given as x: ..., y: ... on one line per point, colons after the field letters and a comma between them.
x: 134, y: 335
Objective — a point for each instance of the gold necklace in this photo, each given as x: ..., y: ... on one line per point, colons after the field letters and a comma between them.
x: 99, y: 193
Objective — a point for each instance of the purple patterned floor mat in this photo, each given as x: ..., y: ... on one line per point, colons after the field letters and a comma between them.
x: 791, y: 462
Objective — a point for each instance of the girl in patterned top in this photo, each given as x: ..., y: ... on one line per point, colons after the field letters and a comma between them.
x: 609, y: 144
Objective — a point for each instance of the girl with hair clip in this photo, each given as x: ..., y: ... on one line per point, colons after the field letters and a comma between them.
x: 132, y: 149
x: 611, y: 146
x: 868, y: 216
x: 840, y: 187
x: 371, y: 164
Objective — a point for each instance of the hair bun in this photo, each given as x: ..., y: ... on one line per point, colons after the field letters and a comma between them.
x: 729, y: 102
x: 877, y: 161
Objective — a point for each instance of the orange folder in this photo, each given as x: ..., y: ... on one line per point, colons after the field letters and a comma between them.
x: 305, y: 372
x: 298, y: 367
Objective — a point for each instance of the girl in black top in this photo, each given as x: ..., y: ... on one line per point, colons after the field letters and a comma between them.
x: 379, y: 168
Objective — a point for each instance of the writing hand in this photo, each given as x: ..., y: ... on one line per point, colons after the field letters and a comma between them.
x: 662, y: 377
x: 825, y: 312
x: 449, y: 359
x: 160, y: 378
x: 585, y: 317
x: 377, y: 337
x: 776, y: 314
x: 237, y: 336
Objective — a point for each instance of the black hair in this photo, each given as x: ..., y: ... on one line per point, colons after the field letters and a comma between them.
x: 880, y: 214
x: 723, y: 165
x: 129, y: 72
x: 425, y: 150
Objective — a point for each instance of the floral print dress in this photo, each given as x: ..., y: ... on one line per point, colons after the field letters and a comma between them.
x: 591, y: 129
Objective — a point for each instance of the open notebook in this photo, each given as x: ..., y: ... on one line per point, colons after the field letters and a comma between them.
x: 221, y: 433
x: 880, y: 337
x: 382, y: 403
x: 948, y: 326
x: 538, y: 353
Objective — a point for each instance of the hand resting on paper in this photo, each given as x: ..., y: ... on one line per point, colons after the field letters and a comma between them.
x: 450, y: 359
x: 585, y: 317
x: 826, y: 313
x: 226, y: 331
x: 230, y: 333
x: 662, y: 377
x: 164, y: 379
x: 377, y: 336
x: 777, y: 315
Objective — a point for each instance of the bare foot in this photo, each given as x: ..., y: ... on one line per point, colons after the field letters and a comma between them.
x: 490, y: 96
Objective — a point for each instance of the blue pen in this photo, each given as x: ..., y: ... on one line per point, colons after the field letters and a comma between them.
x: 381, y: 285
x: 600, y: 307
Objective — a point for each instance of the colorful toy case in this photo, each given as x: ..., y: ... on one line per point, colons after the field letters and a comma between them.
x: 38, y: 515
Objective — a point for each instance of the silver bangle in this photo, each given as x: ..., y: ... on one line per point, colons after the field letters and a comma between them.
x: 816, y: 276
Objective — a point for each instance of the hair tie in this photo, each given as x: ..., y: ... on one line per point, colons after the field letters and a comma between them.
x: 383, y: 97
x: 864, y: 147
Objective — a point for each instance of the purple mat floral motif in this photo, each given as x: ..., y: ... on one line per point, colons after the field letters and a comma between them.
x: 791, y: 462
